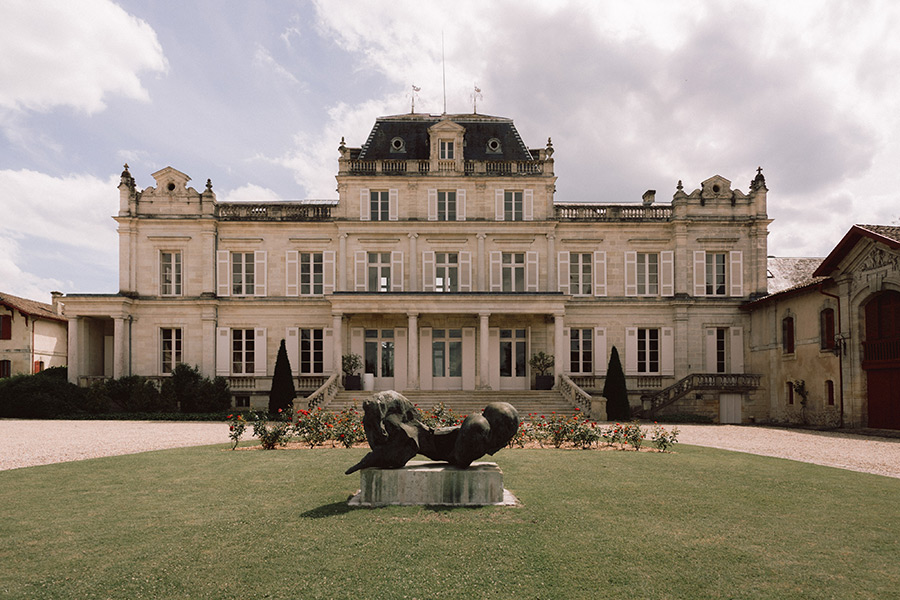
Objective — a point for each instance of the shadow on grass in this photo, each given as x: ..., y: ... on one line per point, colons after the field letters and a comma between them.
x: 329, y: 510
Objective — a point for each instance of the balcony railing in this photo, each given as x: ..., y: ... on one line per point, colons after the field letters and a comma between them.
x: 295, y: 211
x: 445, y: 167
x: 578, y: 211
x: 881, y: 351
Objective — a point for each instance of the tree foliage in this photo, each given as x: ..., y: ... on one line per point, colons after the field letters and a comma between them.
x: 282, y: 393
x: 615, y: 390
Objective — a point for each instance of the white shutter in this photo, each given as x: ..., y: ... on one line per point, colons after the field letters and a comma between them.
x: 223, y: 351
x: 259, y: 350
x: 223, y: 281
x: 328, y: 350
x: 631, y: 273
x: 291, y: 273
x: 397, y: 271
x: 498, y: 205
x: 737, y: 350
x: 292, y: 345
x: 667, y: 351
x: 710, y: 347
x: 428, y: 271
x: 361, y: 265
x: 460, y: 205
x: 328, y: 272
x: 600, y: 274
x: 528, y: 205
x: 364, y: 208
x: 393, y: 205
x: 259, y: 259
x: 496, y: 271
x: 432, y: 205
x: 631, y: 351
x: 736, y: 261
x: 531, y: 271
x: 465, y: 271
x: 600, y: 361
x: 699, y: 273
x: 667, y: 273
x: 562, y: 271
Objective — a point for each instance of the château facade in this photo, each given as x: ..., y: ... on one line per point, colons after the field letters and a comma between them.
x: 446, y: 263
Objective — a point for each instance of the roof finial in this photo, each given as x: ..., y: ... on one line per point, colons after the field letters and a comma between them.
x: 475, y: 96
x: 209, y: 185
x: 413, y: 95
x: 679, y: 187
x: 549, y: 148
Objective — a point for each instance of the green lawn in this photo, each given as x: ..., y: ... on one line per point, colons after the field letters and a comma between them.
x: 208, y: 523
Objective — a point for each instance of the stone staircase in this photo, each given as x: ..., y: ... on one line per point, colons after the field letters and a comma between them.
x: 467, y: 402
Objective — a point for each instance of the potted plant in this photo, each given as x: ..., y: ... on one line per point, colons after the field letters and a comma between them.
x: 350, y: 365
x: 543, y: 364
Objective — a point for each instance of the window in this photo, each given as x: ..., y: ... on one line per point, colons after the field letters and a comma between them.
x: 446, y: 149
x: 715, y: 274
x: 580, y: 283
x: 446, y: 353
x: 170, y: 273
x: 493, y: 146
x: 721, y: 355
x: 242, y: 273
x: 5, y: 368
x: 648, y: 351
x: 446, y: 272
x: 513, y: 206
x: 398, y: 145
x: 446, y: 206
x: 379, y: 352
x: 829, y: 392
x: 311, y: 274
x: 379, y: 205
x: 789, y: 392
x: 647, y: 274
x: 513, y: 271
x: 787, y: 335
x: 170, y: 348
x: 243, y: 355
x: 826, y: 329
x: 312, y: 351
x: 379, y: 271
x: 38, y: 366
x: 242, y: 401
x: 512, y: 352
x: 5, y: 327
x: 581, y: 350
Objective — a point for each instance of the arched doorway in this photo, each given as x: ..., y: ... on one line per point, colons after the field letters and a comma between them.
x: 881, y: 360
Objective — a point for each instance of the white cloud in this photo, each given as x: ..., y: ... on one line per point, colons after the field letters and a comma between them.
x: 248, y: 193
x: 72, y: 54
x: 18, y: 282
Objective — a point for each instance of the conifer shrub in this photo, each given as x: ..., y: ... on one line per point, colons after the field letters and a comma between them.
x: 615, y: 390
x: 282, y: 394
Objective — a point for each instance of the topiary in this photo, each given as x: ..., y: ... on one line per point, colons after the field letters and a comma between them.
x: 615, y: 390
x: 282, y: 393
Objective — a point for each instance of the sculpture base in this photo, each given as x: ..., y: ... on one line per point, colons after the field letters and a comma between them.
x: 433, y: 484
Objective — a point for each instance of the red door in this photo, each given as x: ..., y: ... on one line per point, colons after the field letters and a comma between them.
x: 881, y: 360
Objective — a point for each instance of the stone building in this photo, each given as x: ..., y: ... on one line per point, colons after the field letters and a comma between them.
x: 446, y: 263
x: 32, y: 335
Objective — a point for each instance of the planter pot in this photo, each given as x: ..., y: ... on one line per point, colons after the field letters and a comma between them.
x: 352, y: 382
x: 544, y: 382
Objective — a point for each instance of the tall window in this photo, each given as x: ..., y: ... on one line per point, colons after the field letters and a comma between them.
x: 829, y: 392
x: 242, y: 273
x: 648, y: 351
x: 513, y: 206
x: 580, y: 273
x: 513, y: 271
x: 379, y: 271
x: 512, y: 352
x: 446, y: 353
x: 5, y: 368
x: 379, y: 352
x: 170, y: 347
x: 38, y: 366
x: 787, y: 335
x: 5, y: 327
x: 826, y: 329
x: 379, y: 205
x: 446, y: 272
x: 789, y: 392
x: 243, y: 351
x: 311, y: 273
x: 715, y: 273
x: 170, y: 273
x: 446, y: 149
x: 581, y: 350
x: 647, y: 274
x: 446, y: 206
x: 312, y: 351
x: 721, y: 341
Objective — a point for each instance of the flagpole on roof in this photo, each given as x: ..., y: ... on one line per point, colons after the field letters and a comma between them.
x: 444, y: 71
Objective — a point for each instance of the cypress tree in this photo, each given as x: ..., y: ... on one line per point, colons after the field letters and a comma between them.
x: 282, y: 393
x: 615, y: 391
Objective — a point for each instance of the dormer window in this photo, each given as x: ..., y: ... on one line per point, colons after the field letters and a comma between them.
x: 493, y: 146
x: 398, y: 145
x: 447, y: 150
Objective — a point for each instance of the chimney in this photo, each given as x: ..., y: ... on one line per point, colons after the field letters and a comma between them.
x: 55, y: 302
x: 648, y: 197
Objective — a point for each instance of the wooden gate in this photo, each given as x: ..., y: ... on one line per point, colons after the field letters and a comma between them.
x: 881, y: 360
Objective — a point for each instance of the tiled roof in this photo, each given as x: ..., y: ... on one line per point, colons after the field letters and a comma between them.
x: 791, y: 273
x: 888, y: 231
x: 31, y: 308
x: 885, y: 234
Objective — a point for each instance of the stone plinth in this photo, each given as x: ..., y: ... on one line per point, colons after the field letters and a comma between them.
x: 434, y: 484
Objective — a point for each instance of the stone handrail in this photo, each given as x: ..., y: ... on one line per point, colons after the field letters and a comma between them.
x: 574, y: 394
x: 442, y: 167
x: 323, y: 396
x: 583, y: 211
x: 702, y: 381
x: 274, y: 211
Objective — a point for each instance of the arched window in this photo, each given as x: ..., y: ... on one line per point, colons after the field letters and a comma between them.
x: 826, y: 329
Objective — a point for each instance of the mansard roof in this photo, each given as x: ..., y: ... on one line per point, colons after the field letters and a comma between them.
x: 412, y: 129
x: 32, y: 308
x: 886, y: 234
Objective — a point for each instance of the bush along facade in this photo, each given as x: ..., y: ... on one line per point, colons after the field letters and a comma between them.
x: 281, y: 396
x: 193, y: 393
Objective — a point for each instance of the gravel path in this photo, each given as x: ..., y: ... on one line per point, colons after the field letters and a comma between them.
x: 29, y: 443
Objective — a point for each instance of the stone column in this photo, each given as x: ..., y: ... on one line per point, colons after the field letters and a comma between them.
x: 412, y: 372
x: 482, y: 267
x: 75, y: 361
x: 413, y: 258
x: 337, y: 335
x: 208, y: 333
x: 208, y: 265
x: 342, y: 263
x: 559, y: 347
x: 483, y: 377
x: 120, y: 347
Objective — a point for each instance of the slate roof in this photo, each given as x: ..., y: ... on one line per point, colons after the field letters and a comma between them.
x: 886, y: 234
x: 413, y: 130
x: 32, y: 308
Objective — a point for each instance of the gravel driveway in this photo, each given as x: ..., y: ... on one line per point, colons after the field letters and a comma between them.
x: 28, y: 443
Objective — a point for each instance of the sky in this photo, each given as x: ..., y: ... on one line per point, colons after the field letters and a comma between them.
x: 256, y: 96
